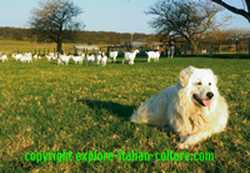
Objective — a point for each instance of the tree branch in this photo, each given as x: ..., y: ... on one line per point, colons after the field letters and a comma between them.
x: 234, y: 9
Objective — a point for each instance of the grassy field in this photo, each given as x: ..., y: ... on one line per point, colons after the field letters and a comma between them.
x: 46, y: 107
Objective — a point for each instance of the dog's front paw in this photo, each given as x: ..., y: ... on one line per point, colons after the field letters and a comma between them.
x: 186, y: 142
x: 183, y: 146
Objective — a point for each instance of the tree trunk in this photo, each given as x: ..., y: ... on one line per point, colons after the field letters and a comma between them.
x: 194, y: 47
x: 59, y: 48
x: 59, y: 40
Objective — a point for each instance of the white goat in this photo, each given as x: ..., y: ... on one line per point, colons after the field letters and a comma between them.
x: 155, y: 55
x: 24, y: 58
x: 13, y: 55
x: 90, y: 58
x: 64, y: 59
x: 113, y: 55
x: 3, y: 58
x: 78, y: 59
x: 51, y: 56
x: 104, y: 59
x: 130, y: 57
x: 37, y: 56
x: 17, y: 57
x: 98, y: 58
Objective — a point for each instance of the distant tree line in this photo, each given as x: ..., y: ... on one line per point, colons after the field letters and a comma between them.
x: 90, y: 37
x: 86, y: 37
x: 10, y: 33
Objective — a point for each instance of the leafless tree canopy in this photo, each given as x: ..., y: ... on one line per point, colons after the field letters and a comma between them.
x: 55, y: 19
x: 243, y: 12
x: 185, y: 18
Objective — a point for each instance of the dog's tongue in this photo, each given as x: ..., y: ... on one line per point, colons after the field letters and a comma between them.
x: 206, y: 102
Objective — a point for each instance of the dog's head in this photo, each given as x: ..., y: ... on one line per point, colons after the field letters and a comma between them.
x: 200, y: 85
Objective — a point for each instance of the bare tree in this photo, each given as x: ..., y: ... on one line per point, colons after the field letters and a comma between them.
x: 188, y: 19
x: 54, y: 20
x: 243, y: 12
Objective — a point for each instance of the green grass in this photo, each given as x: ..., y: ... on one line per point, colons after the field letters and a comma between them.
x: 47, y: 107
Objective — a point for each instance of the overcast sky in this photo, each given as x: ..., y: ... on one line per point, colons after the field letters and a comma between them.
x: 103, y: 15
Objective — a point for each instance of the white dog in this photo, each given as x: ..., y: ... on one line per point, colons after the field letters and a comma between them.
x: 193, y: 108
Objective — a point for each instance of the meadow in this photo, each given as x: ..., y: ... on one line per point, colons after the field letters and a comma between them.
x: 47, y: 107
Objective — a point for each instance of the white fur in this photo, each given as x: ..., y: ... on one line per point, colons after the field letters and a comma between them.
x: 104, y: 59
x: 98, y: 58
x: 3, y: 58
x: 130, y: 57
x: 155, y: 55
x: 113, y: 55
x: 52, y: 56
x: 17, y: 57
x: 90, y: 58
x: 64, y: 59
x: 177, y: 107
x: 78, y: 59
x: 101, y: 58
x: 37, y: 57
x: 24, y: 58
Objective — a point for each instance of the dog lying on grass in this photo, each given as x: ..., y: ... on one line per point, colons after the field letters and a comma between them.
x: 193, y: 108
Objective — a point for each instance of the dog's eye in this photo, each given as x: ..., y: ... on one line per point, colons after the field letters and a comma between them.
x: 209, y: 83
x: 199, y: 83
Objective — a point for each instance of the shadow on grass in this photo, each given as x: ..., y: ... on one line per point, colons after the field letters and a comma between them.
x: 122, y: 111
x: 117, y: 109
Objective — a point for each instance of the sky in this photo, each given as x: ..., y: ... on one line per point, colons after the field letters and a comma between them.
x: 105, y: 15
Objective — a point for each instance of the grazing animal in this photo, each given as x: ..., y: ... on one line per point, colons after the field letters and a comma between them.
x: 36, y: 57
x: 113, y: 55
x: 193, y: 108
x: 52, y: 56
x: 3, y: 58
x: 104, y: 59
x: 78, y: 59
x: 13, y: 55
x: 64, y: 59
x: 24, y: 58
x: 155, y: 55
x: 98, y: 58
x: 17, y: 57
x: 129, y: 57
x: 90, y: 58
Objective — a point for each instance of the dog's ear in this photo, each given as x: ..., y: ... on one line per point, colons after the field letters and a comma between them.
x: 185, y: 75
x: 215, y: 77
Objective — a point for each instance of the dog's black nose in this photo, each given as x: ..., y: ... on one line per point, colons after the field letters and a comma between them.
x: 210, y: 95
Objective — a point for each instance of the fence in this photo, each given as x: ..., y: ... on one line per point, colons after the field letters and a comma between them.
x: 233, y: 46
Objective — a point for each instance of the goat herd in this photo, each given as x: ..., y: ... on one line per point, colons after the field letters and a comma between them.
x: 99, y: 58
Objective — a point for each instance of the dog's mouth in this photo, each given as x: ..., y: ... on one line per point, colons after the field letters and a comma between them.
x: 202, y: 102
